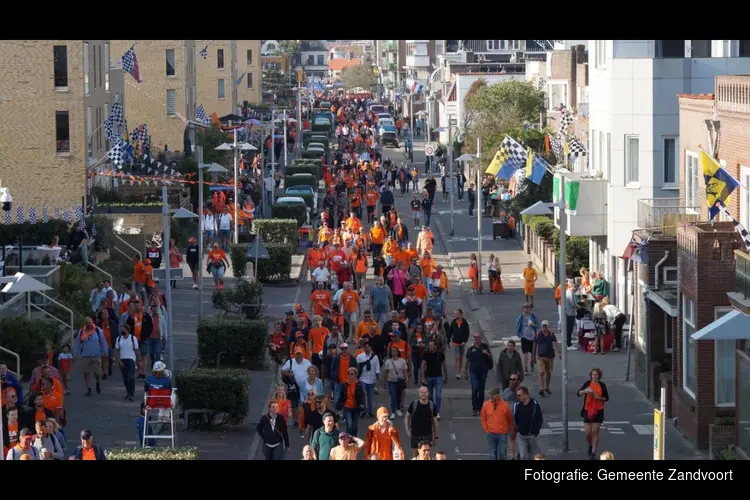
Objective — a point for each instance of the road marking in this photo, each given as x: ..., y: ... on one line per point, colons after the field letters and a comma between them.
x: 457, y: 451
x: 464, y: 418
x: 471, y: 454
x: 643, y: 430
x: 453, y: 437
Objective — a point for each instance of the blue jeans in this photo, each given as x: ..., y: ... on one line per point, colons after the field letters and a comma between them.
x: 351, y: 417
x: 128, y: 375
x: 337, y: 388
x: 426, y: 217
x: 435, y: 386
x: 477, y: 379
x: 154, y: 348
x: 416, y: 360
x: 368, y: 396
x: 498, y: 445
x: 395, y: 394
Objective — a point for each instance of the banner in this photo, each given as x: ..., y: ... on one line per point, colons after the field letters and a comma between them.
x: 571, y: 195
x: 555, y: 189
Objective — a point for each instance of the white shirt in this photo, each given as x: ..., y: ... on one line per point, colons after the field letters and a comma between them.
x: 209, y: 224
x: 321, y: 275
x: 299, y: 370
x: 371, y: 376
x: 225, y: 222
x: 270, y: 183
x: 612, y: 312
x: 127, y: 347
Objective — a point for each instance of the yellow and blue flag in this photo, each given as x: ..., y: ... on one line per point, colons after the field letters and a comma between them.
x: 536, y: 167
x: 719, y: 184
x: 496, y: 163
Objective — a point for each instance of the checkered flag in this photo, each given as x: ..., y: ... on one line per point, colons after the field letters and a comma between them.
x: 116, y: 154
x: 200, y: 116
x: 32, y: 215
x: 45, y: 217
x: 57, y: 213
x: 135, y: 135
x: 514, y: 153
x: 144, y: 136
x: 115, y: 120
x: 66, y: 216
x: 565, y: 121
x: 19, y: 215
x: 204, y: 52
x: 556, y: 147
x: 129, y: 64
x: 8, y: 220
x: 576, y: 147
x: 79, y: 213
x: 541, y: 84
x: 93, y: 230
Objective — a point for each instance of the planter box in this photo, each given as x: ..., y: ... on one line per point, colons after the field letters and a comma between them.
x: 128, y: 210
x: 720, y: 437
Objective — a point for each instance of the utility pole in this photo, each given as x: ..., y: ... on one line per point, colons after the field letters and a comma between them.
x: 478, y: 196
x: 563, y: 301
x: 167, y: 275
x: 199, y: 160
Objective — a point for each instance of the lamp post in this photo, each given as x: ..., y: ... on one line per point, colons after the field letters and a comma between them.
x: 236, y: 148
x: 449, y: 129
x: 478, y: 158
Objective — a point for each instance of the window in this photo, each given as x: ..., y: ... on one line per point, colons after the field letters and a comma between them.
x: 744, y: 48
x: 724, y: 365
x: 667, y: 49
x: 62, y: 132
x: 171, y: 102
x: 249, y: 80
x: 745, y: 196
x: 249, y: 57
x: 192, y: 93
x: 609, y: 156
x: 670, y: 276
x: 600, y: 48
x: 60, y: 54
x: 667, y: 333
x: 688, y: 346
x: 106, y: 67
x: 321, y: 60
x: 89, y: 135
x: 170, y: 62
x: 670, y: 160
x: 106, y: 115
x: 691, y: 181
x: 631, y: 158
x: 310, y: 60
x: 220, y: 58
x: 86, y: 89
x: 700, y: 48
x: 221, y: 88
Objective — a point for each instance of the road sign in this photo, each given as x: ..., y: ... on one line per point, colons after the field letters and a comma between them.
x: 658, y: 434
x: 175, y: 273
x: 429, y: 149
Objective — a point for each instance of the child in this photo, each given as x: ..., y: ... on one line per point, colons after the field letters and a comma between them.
x: 143, y: 427
x: 49, y: 353
x: 54, y: 429
x: 416, y: 206
x: 64, y: 361
x: 474, y: 274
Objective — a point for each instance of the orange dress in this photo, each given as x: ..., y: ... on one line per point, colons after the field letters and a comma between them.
x: 474, y: 276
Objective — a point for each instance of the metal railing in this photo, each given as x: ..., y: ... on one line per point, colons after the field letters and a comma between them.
x: 100, y: 270
x: 24, y: 303
x: 140, y: 255
x: 50, y: 277
x: 70, y: 325
x: 742, y: 272
x: 14, y: 307
x: 665, y: 214
x: 17, y: 373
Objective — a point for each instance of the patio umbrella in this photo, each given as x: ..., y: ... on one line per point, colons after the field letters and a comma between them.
x: 253, y: 122
x: 231, y: 117
x: 288, y: 120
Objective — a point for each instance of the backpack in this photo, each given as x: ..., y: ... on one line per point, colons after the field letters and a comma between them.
x: 413, y: 406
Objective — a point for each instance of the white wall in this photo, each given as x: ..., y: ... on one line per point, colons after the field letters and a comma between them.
x: 536, y: 70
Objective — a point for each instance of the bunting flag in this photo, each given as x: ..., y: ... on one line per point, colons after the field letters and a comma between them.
x: 79, y: 213
x: 536, y: 167
x: 19, y: 215
x: 719, y: 185
x: 204, y: 50
x: 239, y: 80
x: 8, y: 220
x: 201, y: 117
x: 513, y: 157
x: 576, y: 147
x: 57, y: 213
x: 129, y: 64
x: 565, y: 122
x: 45, y: 217
x: 32, y: 215
x: 66, y: 216
x: 115, y: 121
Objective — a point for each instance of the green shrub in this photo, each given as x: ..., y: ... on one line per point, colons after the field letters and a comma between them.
x: 34, y: 234
x: 312, y: 154
x: 105, y: 232
x: 542, y: 225
x: 238, y: 342
x: 301, y: 180
x: 296, y: 212
x: 277, y: 231
x: 238, y: 258
x: 221, y: 391
x: 245, y: 297
x: 302, y: 169
x: 161, y: 453
x: 278, y: 267
x: 26, y: 338
x: 576, y: 250
x: 306, y: 134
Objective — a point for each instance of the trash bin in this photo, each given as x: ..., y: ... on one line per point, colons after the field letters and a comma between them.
x: 500, y: 229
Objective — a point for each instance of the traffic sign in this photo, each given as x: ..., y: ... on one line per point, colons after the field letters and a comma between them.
x: 429, y: 149
x: 658, y: 434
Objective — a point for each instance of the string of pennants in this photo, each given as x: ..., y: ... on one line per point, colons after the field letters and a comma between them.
x: 36, y: 216
x: 133, y: 179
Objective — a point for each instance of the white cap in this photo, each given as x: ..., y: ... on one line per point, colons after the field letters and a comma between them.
x: 545, y: 323
x: 159, y: 366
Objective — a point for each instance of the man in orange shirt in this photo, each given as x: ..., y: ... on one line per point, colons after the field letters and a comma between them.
x: 337, y: 259
x: 350, y: 305
x: 314, y: 255
x: 316, y: 339
x: 324, y: 233
x: 383, y: 439
x: 364, y: 326
x: 497, y: 422
x: 371, y: 196
x: 139, y: 276
x: 420, y: 291
x: 352, y: 222
x: 53, y: 399
x: 320, y: 300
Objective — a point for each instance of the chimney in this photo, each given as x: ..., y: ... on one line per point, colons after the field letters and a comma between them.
x: 580, y: 54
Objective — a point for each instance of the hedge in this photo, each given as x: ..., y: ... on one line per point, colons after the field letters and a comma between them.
x: 238, y: 342
x: 163, y: 453
x: 277, y: 231
x: 26, y: 338
x: 222, y: 391
x: 245, y: 297
x: 296, y: 212
x: 311, y: 169
x: 277, y: 268
x: 105, y: 231
x: 312, y: 154
x: 542, y: 225
x: 34, y: 234
x: 307, y: 161
x: 302, y: 180
x: 576, y: 250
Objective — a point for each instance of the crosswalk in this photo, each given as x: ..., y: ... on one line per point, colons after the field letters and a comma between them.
x: 619, y: 428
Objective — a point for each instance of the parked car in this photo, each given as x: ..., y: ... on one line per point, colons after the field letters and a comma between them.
x: 378, y: 109
x: 386, y: 122
x: 389, y: 137
x: 307, y: 193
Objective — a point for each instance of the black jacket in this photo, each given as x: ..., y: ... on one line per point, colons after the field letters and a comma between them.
x: 192, y: 255
x: 98, y: 453
x: 459, y: 334
x: 359, y: 397
x: 270, y: 435
x: 528, y: 419
x: 605, y: 394
x: 393, y: 233
x: 386, y: 198
x: 147, y: 326
x: 28, y: 418
x: 472, y: 195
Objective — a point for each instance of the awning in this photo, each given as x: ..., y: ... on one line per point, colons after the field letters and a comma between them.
x: 732, y: 326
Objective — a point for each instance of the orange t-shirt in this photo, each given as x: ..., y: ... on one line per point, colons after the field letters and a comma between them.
x: 320, y: 299
x: 344, y: 362
x: 318, y: 337
x: 420, y: 291
x: 53, y: 400
x: 364, y: 328
x: 137, y: 325
x: 139, y: 272
x: 350, y: 299
x: 372, y: 198
x: 350, y: 402
x: 377, y: 235
x: 360, y: 265
x: 88, y: 454
x: 107, y: 333
x: 284, y: 405
x: 337, y: 258
x: 402, y: 347
x: 216, y: 255
x: 428, y: 267
x: 314, y: 257
x: 13, y: 434
x: 149, y: 275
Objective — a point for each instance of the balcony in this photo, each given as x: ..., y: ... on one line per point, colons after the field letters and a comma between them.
x: 389, y: 66
x: 418, y: 61
x: 587, y: 212
x: 740, y: 299
x: 662, y: 216
x: 389, y: 46
x: 733, y: 93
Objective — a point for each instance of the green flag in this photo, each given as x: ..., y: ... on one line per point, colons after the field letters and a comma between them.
x: 555, y: 189
x: 571, y: 195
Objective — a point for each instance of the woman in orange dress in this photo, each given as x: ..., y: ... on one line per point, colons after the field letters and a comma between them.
x: 474, y: 274
x: 285, y: 405
x: 595, y: 394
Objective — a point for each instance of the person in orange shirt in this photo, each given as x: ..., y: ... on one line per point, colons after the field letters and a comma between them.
x: 353, y: 223
x: 139, y: 276
x: 314, y: 255
x: 389, y: 250
x: 497, y: 422
x: 300, y: 343
x: 320, y: 300
x: 382, y: 438
x: 316, y: 338
x: 336, y: 259
x: 350, y: 304
x: 324, y: 233
x: 511, y: 226
x: 428, y: 265
x: 410, y: 252
x: 53, y: 399
x: 401, y: 256
x: 371, y: 196
x: 530, y: 276
x: 359, y: 263
x: 377, y: 237
x: 217, y: 264
x: 363, y: 328
x: 149, y: 270
x: 420, y: 291
x: 360, y: 240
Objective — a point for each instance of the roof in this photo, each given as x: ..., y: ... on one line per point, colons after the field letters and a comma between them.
x: 340, y: 64
x: 732, y: 326
x: 703, y: 97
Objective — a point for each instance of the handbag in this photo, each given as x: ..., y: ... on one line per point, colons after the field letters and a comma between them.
x: 400, y: 381
x: 292, y: 391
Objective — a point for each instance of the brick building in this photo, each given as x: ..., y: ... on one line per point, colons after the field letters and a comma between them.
x: 280, y: 62
x: 55, y: 96
x: 227, y: 61
x: 166, y: 98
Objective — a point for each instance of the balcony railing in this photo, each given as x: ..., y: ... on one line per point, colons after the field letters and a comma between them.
x: 733, y: 93
x: 389, y: 46
x: 665, y: 215
x: 743, y: 273
x: 63, y: 147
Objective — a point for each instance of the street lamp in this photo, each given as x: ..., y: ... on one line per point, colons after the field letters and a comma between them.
x: 236, y: 148
x: 478, y: 194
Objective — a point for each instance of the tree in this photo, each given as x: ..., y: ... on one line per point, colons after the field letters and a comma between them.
x: 275, y: 81
x: 358, y: 76
x: 291, y: 48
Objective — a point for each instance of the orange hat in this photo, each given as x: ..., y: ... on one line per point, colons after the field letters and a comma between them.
x: 298, y: 307
x: 382, y: 411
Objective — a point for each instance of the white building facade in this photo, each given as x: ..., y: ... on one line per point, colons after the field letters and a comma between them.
x: 634, y: 128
